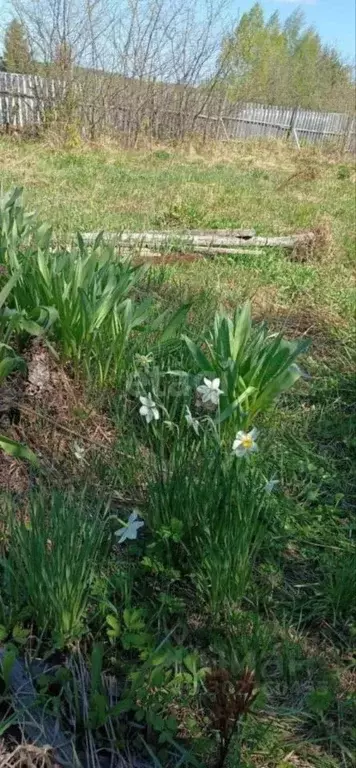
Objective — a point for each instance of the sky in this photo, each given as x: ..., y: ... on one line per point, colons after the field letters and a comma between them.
x: 333, y: 19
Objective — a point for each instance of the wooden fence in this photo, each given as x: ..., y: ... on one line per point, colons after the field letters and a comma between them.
x: 166, y: 112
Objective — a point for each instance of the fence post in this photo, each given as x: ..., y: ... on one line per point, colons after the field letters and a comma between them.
x: 292, y: 130
x: 224, y: 128
x: 221, y: 119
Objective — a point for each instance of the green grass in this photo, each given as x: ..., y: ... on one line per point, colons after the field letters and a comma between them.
x: 91, y: 189
x: 107, y: 188
x: 296, y: 622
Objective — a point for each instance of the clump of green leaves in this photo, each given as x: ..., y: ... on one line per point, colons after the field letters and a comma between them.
x: 254, y: 366
x: 218, y: 507
x: 105, y: 717
x: 10, y: 362
x: 169, y: 674
x: 86, y: 297
x: 89, y: 291
x: 51, y: 564
x: 343, y: 172
x: 16, y: 223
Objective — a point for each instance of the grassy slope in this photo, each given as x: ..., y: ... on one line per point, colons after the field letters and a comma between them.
x: 313, y: 440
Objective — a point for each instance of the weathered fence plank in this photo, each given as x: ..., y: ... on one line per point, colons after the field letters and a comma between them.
x: 170, y: 113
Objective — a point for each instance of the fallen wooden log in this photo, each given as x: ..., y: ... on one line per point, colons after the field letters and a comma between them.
x: 197, y: 240
x: 244, y: 234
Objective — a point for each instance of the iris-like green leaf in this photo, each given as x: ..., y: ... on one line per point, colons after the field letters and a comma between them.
x: 254, y: 367
x: 12, y: 448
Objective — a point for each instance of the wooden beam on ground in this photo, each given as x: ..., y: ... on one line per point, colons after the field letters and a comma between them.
x: 197, y: 239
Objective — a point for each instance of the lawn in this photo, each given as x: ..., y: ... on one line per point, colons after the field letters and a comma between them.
x: 192, y: 600
x: 271, y: 188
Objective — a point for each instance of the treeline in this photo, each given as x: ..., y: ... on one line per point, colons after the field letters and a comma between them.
x: 260, y: 60
x: 287, y: 64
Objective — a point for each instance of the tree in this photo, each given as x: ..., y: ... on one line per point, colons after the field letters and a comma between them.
x: 17, y: 55
x: 63, y: 58
x: 283, y: 65
x: 257, y: 55
x: 132, y: 60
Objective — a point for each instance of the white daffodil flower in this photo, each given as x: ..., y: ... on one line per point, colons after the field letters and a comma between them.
x: 210, y: 391
x: 79, y: 452
x: 144, y: 361
x: 130, y: 530
x: 191, y: 421
x: 271, y: 485
x: 148, y: 408
x: 245, y: 443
